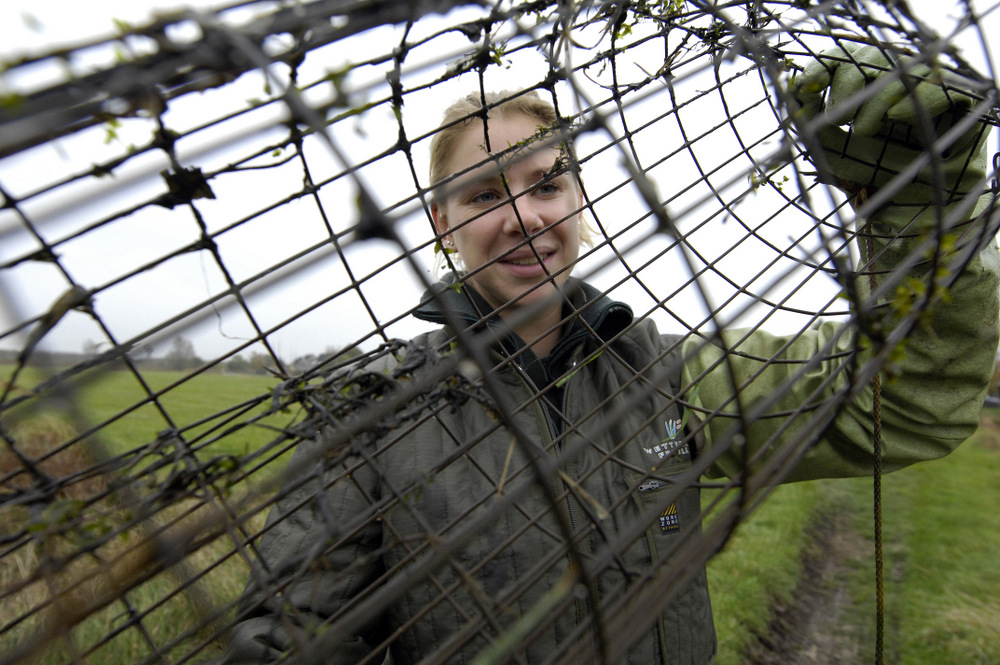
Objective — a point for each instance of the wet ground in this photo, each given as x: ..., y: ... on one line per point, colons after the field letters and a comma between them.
x: 818, y: 627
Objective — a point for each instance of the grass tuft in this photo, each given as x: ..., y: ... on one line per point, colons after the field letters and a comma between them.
x: 968, y: 626
x: 41, y: 440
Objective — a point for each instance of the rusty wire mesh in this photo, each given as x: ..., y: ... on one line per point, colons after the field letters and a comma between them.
x: 215, y: 193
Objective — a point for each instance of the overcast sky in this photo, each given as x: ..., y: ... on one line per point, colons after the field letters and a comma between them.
x: 148, y: 298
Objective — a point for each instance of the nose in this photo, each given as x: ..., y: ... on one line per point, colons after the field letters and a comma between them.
x: 523, y: 216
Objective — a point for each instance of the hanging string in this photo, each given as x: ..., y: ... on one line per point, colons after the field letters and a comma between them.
x: 877, y: 485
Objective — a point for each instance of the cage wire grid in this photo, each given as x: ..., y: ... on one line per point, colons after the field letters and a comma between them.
x: 245, y: 190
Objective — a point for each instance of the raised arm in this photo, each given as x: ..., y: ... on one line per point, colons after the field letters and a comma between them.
x: 931, y: 326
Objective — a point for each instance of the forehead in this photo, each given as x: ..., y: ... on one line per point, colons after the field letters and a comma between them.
x: 505, y: 131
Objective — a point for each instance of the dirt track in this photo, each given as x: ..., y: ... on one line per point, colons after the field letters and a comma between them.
x: 817, y: 629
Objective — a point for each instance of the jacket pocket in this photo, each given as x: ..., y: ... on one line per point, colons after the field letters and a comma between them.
x: 651, y: 497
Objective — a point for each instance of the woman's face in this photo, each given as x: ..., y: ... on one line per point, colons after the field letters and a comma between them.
x: 492, y: 245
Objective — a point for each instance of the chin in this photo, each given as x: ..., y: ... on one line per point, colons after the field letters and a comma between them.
x: 536, y: 294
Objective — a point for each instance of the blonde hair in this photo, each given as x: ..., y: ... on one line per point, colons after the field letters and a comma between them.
x: 473, y: 106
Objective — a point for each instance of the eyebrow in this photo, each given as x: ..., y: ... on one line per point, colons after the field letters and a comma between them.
x: 560, y: 167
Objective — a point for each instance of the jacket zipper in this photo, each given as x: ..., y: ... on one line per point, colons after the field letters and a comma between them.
x: 563, y: 405
x: 553, y: 430
x: 583, y: 608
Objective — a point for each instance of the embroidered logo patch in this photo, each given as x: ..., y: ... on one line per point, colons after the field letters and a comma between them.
x: 673, y: 447
x: 669, y: 522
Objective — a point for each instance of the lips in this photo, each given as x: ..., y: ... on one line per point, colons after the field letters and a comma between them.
x: 527, y: 258
x: 525, y: 263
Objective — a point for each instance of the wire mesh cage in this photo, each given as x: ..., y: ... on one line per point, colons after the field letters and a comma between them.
x: 231, y: 290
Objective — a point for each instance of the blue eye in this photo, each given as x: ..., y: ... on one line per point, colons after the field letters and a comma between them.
x: 487, y: 196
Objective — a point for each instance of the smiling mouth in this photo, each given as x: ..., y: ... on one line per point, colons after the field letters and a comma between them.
x: 528, y: 260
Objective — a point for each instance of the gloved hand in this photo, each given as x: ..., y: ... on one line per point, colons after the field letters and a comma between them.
x: 885, y: 133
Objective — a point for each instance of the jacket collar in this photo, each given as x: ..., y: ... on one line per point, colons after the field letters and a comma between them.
x: 585, y: 309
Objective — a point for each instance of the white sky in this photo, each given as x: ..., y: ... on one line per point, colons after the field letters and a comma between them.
x: 147, y: 299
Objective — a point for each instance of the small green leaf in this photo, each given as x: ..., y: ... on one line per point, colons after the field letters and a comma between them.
x: 563, y: 381
x: 691, y: 396
x: 111, y: 128
x: 624, y: 31
x: 441, y: 249
x: 31, y: 22
x: 10, y: 100
x: 337, y: 76
x: 123, y: 27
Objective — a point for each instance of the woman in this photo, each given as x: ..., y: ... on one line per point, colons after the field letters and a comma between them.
x: 545, y: 513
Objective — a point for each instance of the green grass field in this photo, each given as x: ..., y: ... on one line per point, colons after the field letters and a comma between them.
x: 760, y: 566
x: 168, y: 399
x: 942, y: 534
x: 130, y: 416
x: 126, y: 414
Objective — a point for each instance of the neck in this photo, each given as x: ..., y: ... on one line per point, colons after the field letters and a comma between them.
x: 542, y: 333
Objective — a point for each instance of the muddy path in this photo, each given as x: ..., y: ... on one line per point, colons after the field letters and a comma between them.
x: 819, y: 626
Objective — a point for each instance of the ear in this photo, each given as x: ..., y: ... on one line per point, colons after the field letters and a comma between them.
x: 440, y: 219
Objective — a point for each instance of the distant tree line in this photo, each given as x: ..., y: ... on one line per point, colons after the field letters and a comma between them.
x: 181, y: 356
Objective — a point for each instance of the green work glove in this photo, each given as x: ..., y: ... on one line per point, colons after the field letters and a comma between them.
x: 884, y: 132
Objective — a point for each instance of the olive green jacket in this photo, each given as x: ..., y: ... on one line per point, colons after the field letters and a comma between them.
x: 435, y: 538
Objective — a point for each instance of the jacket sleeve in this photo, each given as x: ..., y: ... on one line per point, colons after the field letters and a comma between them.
x: 758, y: 393
x: 319, y: 549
